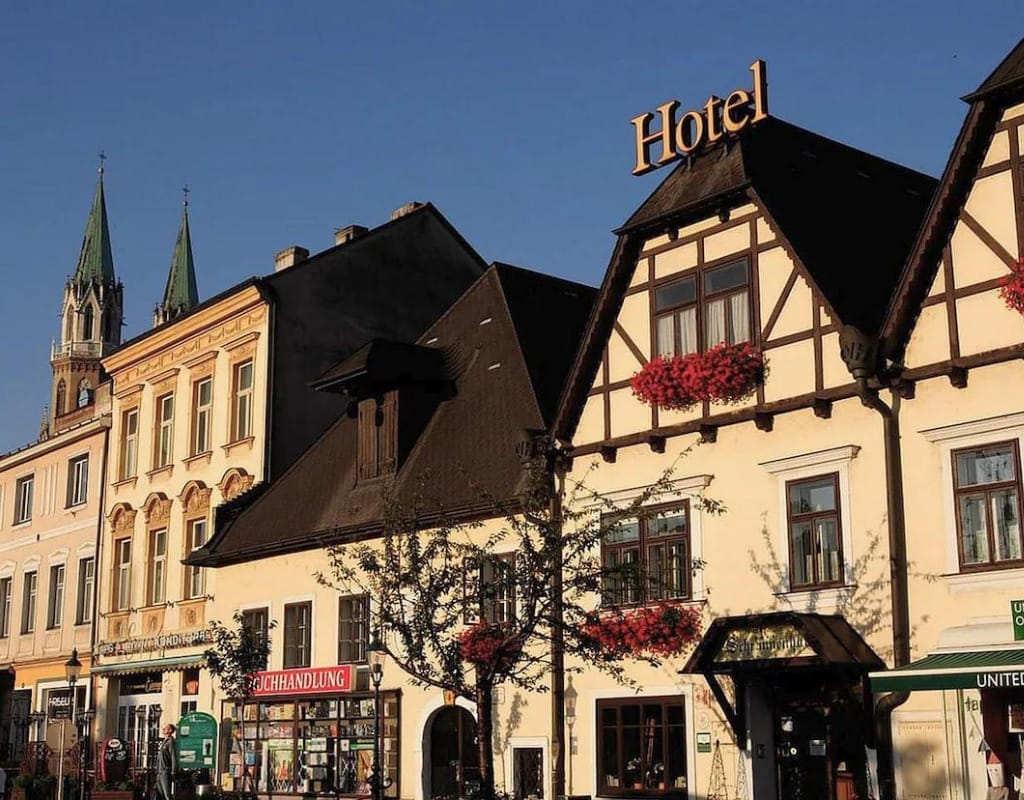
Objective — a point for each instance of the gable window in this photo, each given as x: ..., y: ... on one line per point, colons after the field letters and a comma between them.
x: 376, y: 435
x: 353, y: 628
x: 815, y: 535
x: 122, y: 574
x: 195, y: 577
x: 702, y: 309
x: 129, y: 443
x: 28, y: 602
x: 255, y: 620
x: 55, y: 609
x: 23, y: 499
x: 490, y: 590
x: 6, y: 588
x: 647, y: 558
x: 86, y: 582
x: 241, y: 404
x: 164, y: 430
x: 297, y: 619
x: 156, y: 590
x: 641, y: 746
x: 78, y: 480
x: 987, y: 488
x: 202, y: 408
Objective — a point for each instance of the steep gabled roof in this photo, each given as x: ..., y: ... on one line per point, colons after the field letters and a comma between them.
x: 95, y: 260
x: 1004, y: 86
x: 466, y: 439
x: 848, y: 217
x: 181, y: 292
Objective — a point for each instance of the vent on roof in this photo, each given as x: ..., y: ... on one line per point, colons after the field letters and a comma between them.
x: 348, y: 233
x: 289, y: 257
x: 408, y: 208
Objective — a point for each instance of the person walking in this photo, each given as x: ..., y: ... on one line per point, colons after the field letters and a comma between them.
x: 166, y: 764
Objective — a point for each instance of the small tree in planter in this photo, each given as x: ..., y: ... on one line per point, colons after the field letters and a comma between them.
x: 237, y: 654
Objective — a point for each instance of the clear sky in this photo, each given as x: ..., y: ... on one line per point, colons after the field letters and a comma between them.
x: 290, y: 119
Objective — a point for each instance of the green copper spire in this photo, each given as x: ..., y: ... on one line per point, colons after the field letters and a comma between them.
x: 95, y: 262
x: 181, y: 293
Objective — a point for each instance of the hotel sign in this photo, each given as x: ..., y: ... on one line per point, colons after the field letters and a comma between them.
x: 303, y: 681
x: 153, y: 644
x: 687, y: 134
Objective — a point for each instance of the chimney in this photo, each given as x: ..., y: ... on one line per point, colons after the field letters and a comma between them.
x: 408, y: 208
x: 348, y: 233
x: 289, y: 257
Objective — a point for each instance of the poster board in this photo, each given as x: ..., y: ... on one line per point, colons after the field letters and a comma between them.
x: 197, y: 741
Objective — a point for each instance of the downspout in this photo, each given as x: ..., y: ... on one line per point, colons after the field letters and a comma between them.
x: 860, y: 354
x: 97, y: 577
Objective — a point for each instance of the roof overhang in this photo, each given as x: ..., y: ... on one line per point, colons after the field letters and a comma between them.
x: 969, y: 669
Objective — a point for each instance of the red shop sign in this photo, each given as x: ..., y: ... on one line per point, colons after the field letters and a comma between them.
x: 303, y: 681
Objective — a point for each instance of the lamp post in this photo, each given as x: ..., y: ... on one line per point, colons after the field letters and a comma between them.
x: 570, y: 720
x: 375, y: 652
x: 72, y: 669
x: 140, y: 730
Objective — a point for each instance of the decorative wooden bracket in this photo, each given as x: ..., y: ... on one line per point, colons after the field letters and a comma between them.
x: 736, y: 715
x: 822, y: 408
x: 708, y: 434
x: 958, y: 377
x: 608, y: 454
x: 904, y: 389
x: 656, y: 443
x: 764, y: 421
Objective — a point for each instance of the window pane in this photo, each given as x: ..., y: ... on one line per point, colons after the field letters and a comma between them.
x: 1006, y: 516
x: 610, y: 757
x: 656, y: 577
x: 687, y: 331
x: 665, y: 335
x: 623, y: 530
x: 677, y: 293
x: 828, y: 546
x: 667, y: 523
x: 972, y: 529
x: 812, y: 496
x: 714, y: 323
x: 803, y: 553
x: 989, y: 465
x: 725, y: 277
x: 678, y: 565
x: 739, y: 323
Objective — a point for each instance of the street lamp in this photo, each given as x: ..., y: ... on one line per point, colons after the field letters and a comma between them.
x: 375, y: 653
x: 570, y: 695
x: 140, y: 729
x: 72, y: 669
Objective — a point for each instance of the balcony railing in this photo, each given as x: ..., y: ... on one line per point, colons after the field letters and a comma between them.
x: 85, y: 349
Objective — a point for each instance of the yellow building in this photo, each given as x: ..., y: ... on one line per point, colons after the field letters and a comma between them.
x: 210, y: 403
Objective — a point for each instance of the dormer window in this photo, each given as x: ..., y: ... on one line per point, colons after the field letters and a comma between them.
x: 377, y: 436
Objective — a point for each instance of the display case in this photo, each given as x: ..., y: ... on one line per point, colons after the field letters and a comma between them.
x: 319, y: 744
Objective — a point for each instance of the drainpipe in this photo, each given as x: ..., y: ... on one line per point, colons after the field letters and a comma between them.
x: 860, y: 354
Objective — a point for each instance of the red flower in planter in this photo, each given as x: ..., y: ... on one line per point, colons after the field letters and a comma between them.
x: 664, y: 629
x: 1012, y: 290
x: 726, y: 373
x: 489, y: 645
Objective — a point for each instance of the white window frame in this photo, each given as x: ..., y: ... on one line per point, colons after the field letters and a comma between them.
x: 195, y: 577
x: 242, y: 397
x: 163, y: 447
x: 23, y: 499
x: 56, y: 596
x: 129, y: 444
x: 78, y: 480
x: 958, y: 436
x: 29, y: 600
x: 122, y: 574
x: 801, y: 467
x: 526, y: 742
x: 202, y: 418
x: 6, y: 605
x: 85, y: 588
x: 157, y: 577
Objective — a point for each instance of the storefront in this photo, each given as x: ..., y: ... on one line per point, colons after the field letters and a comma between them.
x: 799, y: 707
x: 309, y: 730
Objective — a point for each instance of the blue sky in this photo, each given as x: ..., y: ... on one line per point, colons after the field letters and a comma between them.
x: 290, y: 119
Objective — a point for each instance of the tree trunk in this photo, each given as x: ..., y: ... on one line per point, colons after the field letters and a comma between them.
x: 485, y: 735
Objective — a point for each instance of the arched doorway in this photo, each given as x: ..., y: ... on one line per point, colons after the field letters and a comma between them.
x: 453, y: 753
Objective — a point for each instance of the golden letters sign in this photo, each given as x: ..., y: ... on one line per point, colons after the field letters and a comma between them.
x: 695, y: 128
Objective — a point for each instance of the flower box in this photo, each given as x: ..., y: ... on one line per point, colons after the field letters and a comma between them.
x: 664, y: 629
x: 727, y: 373
x: 489, y: 645
x: 1012, y: 289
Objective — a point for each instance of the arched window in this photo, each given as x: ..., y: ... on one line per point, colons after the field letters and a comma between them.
x: 58, y: 403
x: 84, y: 392
x: 107, y: 318
x: 87, y: 323
x: 69, y: 326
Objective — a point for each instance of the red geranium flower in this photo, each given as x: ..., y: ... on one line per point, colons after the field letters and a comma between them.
x: 726, y: 373
x: 1012, y: 290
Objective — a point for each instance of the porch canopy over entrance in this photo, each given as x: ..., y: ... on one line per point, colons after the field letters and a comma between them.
x: 966, y: 669
x: 785, y: 640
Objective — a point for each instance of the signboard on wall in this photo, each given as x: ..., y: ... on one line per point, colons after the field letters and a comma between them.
x: 303, y: 681
x: 1017, y: 615
x: 196, y: 741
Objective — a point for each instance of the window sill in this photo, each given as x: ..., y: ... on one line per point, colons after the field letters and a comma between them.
x: 198, y: 459
x: 986, y: 580
x: 130, y: 481
x: 247, y: 442
x: 21, y: 523
x: 164, y: 471
x: 75, y: 507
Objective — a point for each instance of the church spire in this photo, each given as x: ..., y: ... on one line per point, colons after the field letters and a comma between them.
x: 181, y: 293
x: 95, y: 261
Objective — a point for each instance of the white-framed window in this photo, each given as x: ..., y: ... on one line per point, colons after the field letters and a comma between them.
x: 164, y: 446
x: 814, y: 547
x: 195, y: 577
x: 78, y: 480
x: 86, y: 584
x: 23, y: 499
x: 29, y: 592
x: 123, y: 574
x: 55, y: 606
x: 202, y: 413
x: 156, y: 590
x: 129, y: 444
x: 241, y: 406
x: 6, y: 590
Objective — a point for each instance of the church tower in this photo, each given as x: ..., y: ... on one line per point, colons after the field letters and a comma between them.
x: 91, y: 317
x: 181, y: 293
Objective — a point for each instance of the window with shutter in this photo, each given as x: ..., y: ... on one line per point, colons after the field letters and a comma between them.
x: 377, y: 435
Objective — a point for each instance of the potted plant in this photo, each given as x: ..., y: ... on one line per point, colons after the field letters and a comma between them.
x: 633, y: 773
x: 21, y: 786
x: 663, y: 629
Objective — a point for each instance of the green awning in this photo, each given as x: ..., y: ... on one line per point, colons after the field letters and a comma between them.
x: 149, y: 665
x: 980, y: 669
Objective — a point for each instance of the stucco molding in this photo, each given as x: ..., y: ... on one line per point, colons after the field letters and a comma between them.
x: 977, y: 427
x: 819, y: 458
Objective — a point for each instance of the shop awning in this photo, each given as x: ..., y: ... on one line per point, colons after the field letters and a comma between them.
x: 971, y: 669
x: 150, y: 665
